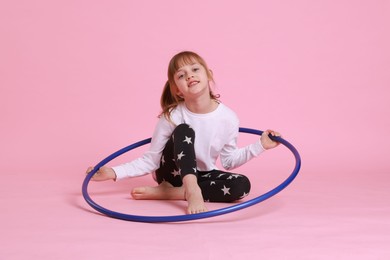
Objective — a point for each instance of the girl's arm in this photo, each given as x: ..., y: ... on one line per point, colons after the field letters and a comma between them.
x: 150, y: 160
x: 145, y: 164
x: 233, y: 157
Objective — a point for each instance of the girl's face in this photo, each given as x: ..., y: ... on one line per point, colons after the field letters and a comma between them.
x: 191, y: 81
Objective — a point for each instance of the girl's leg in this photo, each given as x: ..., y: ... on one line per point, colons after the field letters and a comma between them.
x: 167, y: 176
x: 164, y: 191
x: 178, y: 157
x: 216, y: 186
x: 177, y: 174
x: 219, y: 186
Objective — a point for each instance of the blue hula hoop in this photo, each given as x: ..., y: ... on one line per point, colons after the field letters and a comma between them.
x: 202, y: 215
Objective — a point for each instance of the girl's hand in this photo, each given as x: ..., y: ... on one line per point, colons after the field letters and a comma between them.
x: 103, y: 174
x: 266, y: 142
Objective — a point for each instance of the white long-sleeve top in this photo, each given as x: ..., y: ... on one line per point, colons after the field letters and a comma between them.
x: 215, y: 135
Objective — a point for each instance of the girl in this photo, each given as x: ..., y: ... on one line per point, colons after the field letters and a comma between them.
x: 194, y: 128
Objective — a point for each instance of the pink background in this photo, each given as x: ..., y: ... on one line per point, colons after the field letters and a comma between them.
x: 81, y: 79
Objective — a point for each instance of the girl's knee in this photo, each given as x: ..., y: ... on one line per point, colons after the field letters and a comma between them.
x: 184, y: 129
x: 243, y: 184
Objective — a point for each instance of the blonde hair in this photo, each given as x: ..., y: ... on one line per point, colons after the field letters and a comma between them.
x: 169, y: 100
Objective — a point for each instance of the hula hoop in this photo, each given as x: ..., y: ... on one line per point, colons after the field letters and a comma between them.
x: 177, y: 218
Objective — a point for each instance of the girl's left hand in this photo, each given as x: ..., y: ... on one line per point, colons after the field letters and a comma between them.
x: 266, y: 142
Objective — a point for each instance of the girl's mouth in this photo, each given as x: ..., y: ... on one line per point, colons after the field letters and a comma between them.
x: 192, y: 83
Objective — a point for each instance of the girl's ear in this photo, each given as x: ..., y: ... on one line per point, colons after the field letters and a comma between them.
x: 210, y: 74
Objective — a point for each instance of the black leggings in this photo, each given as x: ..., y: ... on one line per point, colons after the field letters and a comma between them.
x: 178, y: 159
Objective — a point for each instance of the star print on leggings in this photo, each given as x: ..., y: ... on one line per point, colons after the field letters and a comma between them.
x: 187, y: 140
x: 244, y: 195
x: 225, y: 190
x: 175, y: 173
x: 180, y: 155
x: 178, y: 159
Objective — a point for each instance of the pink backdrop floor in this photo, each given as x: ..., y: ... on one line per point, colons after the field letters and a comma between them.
x: 314, y: 218
x: 81, y: 79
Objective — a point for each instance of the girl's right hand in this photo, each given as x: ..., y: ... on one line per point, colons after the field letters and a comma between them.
x: 103, y: 174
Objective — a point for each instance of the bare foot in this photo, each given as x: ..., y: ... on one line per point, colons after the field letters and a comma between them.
x: 195, y: 201
x: 164, y: 191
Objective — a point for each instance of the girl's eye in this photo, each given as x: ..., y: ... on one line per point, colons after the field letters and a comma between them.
x: 195, y: 69
x: 180, y: 76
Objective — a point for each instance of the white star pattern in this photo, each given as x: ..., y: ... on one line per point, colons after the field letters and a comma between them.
x: 162, y: 160
x: 194, y: 169
x: 187, y: 140
x: 175, y: 173
x: 230, y: 177
x: 180, y: 155
x: 236, y: 175
x: 244, y: 195
x: 225, y: 190
x: 206, y: 175
x: 212, y: 182
x: 222, y: 174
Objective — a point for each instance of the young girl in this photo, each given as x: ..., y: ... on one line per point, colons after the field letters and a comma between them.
x: 194, y: 128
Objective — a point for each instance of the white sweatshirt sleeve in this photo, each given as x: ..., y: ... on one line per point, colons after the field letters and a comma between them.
x: 233, y: 157
x: 150, y: 160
